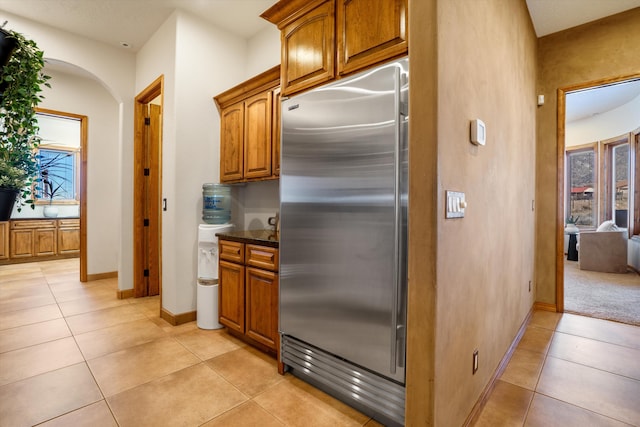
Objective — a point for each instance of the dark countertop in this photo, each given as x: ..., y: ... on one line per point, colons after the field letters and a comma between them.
x: 42, y: 217
x: 257, y: 237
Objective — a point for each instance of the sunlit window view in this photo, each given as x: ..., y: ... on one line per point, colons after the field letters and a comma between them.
x: 581, y: 188
x: 620, y: 184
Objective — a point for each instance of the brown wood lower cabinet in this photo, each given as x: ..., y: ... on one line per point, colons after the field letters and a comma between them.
x: 68, y: 236
x: 261, y: 316
x: 4, y: 240
x: 27, y: 239
x: 248, y: 293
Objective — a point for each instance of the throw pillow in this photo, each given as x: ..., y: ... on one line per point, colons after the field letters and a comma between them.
x: 608, y: 226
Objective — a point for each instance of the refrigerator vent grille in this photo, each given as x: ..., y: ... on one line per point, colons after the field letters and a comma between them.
x: 372, y: 394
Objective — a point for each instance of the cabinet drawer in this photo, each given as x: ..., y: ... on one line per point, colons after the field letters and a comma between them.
x: 36, y: 223
x: 69, y: 223
x: 262, y: 257
x: 231, y: 251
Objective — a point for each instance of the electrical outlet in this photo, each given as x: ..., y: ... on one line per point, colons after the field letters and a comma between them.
x: 475, y: 361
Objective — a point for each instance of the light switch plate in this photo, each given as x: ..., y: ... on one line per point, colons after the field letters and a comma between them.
x: 455, y: 204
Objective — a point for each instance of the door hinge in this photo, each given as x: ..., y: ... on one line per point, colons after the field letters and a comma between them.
x: 147, y: 121
x: 146, y: 171
x: 146, y: 222
x: 146, y: 273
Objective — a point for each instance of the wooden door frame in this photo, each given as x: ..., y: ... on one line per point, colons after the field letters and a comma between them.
x: 561, y: 146
x: 84, y: 137
x: 151, y: 92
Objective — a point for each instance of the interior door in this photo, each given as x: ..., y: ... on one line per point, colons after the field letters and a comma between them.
x: 152, y: 202
x: 147, y: 192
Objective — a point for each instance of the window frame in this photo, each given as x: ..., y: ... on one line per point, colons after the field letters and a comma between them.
x: 607, y: 198
x: 75, y: 152
x: 634, y: 222
x: 593, y: 147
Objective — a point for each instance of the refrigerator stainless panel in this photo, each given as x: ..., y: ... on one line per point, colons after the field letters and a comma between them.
x: 343, y: 219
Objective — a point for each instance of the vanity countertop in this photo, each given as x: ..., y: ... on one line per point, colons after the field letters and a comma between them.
x: 257, y: 237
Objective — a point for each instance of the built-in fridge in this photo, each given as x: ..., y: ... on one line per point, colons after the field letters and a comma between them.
x: 343, y: 238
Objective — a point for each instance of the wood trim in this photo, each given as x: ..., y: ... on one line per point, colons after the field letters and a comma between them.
x: 560, y: 143
x: 261, y: 83
x: 472, y: 418
x: 545, y: 306
x: 8, y: 261
x: 177, y: 319
x: 560, y: 135
x: 154, y: 90
x: 84, y: 173
x: 636, y: 191
x: 124, y: 294
x: 284, y: 12
x: 100, y: 276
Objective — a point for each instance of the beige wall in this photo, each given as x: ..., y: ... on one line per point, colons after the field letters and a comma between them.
x: 485, y: 68
x: 603, y: 49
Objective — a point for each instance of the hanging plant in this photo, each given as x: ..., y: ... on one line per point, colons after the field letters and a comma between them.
x: 21, y: 82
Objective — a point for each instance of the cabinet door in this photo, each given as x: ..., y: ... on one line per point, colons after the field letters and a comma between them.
x: 68, y: 240
x: 370, y: 32
x: 231, y: 295
x: 21, y: 243
x: 231, y: 142
x: 4, y: 240
x: 275, y: 132
x: 257, y: 136
x: 45, y: 242
x: 262, y: 306
x: 308, y: 49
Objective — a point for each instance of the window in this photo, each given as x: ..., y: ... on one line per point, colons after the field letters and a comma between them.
x: 618, y: 176
x: 581, y: 185
x: 617, y: 182
x: 58, y: 180
x: 636, y: 181
x: 57, y: 175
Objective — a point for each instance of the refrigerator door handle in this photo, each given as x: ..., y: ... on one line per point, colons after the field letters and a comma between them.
x: 397, y: 231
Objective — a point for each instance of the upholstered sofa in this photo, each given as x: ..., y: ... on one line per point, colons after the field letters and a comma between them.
x: 604, y: 251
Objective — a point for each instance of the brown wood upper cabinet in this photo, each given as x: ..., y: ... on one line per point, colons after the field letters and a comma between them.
x: 327, y: 39
x: 247, y: 118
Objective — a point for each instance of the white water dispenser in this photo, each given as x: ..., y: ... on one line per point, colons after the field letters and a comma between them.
x: 207, y: 294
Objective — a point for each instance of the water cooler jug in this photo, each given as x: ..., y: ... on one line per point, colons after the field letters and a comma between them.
x: 207, y: 293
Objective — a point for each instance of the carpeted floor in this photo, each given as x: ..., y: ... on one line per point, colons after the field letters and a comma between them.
x: 607, y: 296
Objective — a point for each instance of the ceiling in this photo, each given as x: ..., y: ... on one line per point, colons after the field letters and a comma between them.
x: 133, y: 22
x: 591, y: 102
x: 550, y: 16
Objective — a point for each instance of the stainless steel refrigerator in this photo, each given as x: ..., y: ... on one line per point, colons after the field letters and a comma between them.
x: 343, y: 219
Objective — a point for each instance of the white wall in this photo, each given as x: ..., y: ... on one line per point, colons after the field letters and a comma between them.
x: 157, y: 58
x: 198, y: 61
x: 604, y: 126
x: 208, y: 60
x: 73, y: 94
x: 259, y: 201
x: 113, y: 69
x: 264, y: 51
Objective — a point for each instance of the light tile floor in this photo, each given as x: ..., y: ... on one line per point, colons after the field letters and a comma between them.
x: 71, y: 354
x: 569, y: 370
